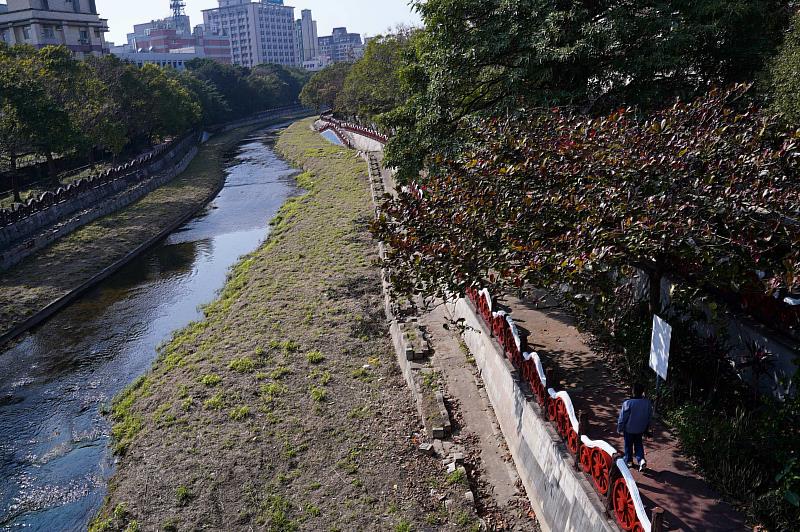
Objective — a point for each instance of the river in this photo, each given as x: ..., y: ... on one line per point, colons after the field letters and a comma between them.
x: 54, y: 440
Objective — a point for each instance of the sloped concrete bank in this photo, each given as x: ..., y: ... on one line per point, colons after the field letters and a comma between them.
x: 47, y: 281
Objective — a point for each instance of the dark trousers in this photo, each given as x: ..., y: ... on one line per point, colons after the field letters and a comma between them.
x: 633, y: 441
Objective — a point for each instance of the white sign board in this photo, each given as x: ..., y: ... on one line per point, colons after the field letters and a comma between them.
x: 659, y: 347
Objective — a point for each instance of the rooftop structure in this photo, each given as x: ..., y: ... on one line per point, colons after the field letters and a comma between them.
x: 168, y: 35
x: 307, y: 37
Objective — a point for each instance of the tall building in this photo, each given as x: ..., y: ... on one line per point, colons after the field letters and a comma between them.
x: 39, y: 23
x: 307, y: 37
x: 341, y: 46
x: 260, y: 32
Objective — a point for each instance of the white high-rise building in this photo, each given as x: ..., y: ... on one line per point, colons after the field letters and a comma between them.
x: 309, y: 40
x: 39, y: 23
x: 260, y: 32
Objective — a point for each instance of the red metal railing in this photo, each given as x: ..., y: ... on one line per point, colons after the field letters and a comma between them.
x: 356, y: 128
x: 612, y: 479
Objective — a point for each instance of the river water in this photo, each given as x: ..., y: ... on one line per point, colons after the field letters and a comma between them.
x: 54, y: 441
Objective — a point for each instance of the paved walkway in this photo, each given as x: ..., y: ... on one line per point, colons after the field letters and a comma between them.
x: 670, y: 482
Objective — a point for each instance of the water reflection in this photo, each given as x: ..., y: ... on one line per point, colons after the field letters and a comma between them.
x: 54, y: 461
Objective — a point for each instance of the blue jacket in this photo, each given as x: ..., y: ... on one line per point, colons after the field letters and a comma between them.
x: 635, y: 416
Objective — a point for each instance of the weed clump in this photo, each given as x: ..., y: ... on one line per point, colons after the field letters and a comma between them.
x: 217, y: 402
x: 242, y: 365
x: 210, y: 380
x: 240, y: 413
x: 315, y: 357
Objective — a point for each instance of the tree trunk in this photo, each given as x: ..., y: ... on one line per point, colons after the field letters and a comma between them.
x: 14, y: 183
x: 654, y: 278
x: 91, y: 156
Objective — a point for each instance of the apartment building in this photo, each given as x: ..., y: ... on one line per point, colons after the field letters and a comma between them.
x: 260, y: 32
x: 341, y: 46
x: 39, y: 23
x: 307, y: 37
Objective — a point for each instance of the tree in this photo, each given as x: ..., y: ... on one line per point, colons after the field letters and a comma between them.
x: 172, y: 108
x: 705, y: 192
x: 229, y: 80
x: 215, y: 109
x: 373, y: 85
x: 785, y: 81
x: 22, y: 106
x: 489, y: 57
x: 325, y: 86
x: 279, y: 85
x: 53, y: 71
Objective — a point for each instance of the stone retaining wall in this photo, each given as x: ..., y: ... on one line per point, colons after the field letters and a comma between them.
x: 20, y: 240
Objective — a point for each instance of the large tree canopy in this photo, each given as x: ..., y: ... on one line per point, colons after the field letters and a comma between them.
x: 708, y: 192
x: 494, y: 56
x: 374, y: 84
x: 324, y: 87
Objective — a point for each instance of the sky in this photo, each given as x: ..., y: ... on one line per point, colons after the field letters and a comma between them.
x: 369, y: 17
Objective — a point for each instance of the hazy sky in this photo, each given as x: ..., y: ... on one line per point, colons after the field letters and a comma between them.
x: 360, y: 16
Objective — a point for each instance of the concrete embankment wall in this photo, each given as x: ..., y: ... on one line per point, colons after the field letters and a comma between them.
x: 365, y: 144
x: 561, y: 497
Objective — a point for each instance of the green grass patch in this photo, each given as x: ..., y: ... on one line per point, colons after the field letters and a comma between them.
x: 242, y: 365
x: 217, y: 402
x: 319, y: 395
x: 240, y: 413
x: 210, y: 380
x: 315, y: 357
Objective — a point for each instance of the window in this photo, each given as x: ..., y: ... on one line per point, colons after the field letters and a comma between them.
x: 84, y: 36
x: 47, y: 32
x: 26, y: 32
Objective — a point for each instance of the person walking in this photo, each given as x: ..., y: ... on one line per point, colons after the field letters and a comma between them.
x: 633, y: 423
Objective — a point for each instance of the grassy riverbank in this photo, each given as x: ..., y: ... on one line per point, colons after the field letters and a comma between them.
x: 57, y: 270
x: 284, y: 408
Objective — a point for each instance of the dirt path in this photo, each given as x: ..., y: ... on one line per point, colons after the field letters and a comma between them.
x: 670, y: 481
x: 58, y: 269
x: 284, y: 409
